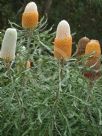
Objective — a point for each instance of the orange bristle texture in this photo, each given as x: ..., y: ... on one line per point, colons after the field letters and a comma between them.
x: 93, y: 47
x: 29, y: 20
x: 63, y: 48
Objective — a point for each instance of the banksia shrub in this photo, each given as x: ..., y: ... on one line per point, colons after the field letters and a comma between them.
x: 30, y: 16
x: 63, y: 41
x: 9, y: 45
x: 93, y: 49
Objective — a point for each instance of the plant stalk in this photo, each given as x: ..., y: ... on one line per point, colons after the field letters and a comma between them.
x: 61, y: 65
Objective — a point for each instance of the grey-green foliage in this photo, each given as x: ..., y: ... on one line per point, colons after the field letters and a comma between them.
x: 30, y: 101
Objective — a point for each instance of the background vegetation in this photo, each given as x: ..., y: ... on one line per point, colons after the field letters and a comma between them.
x: 31, y: 102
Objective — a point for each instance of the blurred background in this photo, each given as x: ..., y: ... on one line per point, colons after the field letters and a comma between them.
x: 84, y: 16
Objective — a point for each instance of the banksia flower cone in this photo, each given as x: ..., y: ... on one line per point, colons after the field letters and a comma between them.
x: 9, y: 45
x: 63, y: 41
x: 30, y: 16
x: 81, y: 46
x: 93, y: 48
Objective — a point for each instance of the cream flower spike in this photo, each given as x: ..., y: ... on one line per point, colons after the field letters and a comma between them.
x: 9, y: 45
x: 63, y: 30
x: 31, y: 7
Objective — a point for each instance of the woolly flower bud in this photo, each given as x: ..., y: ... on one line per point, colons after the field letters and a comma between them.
x: 31, y: 6
x: 63, y: 41
x: 9, y: 44
x: 30, y: 16
x: 93, y: 47
x: 63, y: 30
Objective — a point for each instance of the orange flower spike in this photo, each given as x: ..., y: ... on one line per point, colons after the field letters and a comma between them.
x: 63, y: 41
x: 93, y: 47
x: 30, y: 16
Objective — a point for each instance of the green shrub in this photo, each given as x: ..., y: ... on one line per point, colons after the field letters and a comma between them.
x: 31, y: 103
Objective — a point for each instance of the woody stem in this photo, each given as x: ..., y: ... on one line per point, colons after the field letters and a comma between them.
x: 7, y: 64
x: 60, y: 76
x: 90, y: 86
x: 29, y: 41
